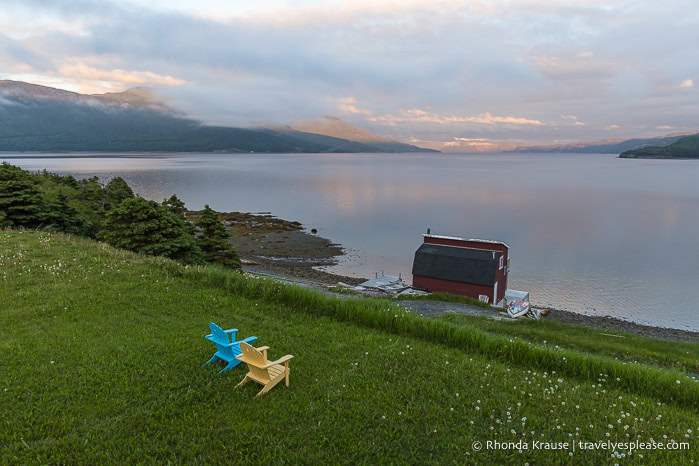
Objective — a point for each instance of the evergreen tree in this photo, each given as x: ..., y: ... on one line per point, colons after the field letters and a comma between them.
x: 91, y: 192
x: 177, y: 209
x: 20, y: 199
x: 175, y: 205
x: 64, y: 180
x: 147, y: 227
x: 213, y: 240
x: 92, y: 201
x: 61, y: 216
x: 116, y: 191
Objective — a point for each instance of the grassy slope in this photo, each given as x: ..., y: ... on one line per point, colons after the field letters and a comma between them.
x: 625, y: 347
x: 622, y: 346
x: 101, y: 353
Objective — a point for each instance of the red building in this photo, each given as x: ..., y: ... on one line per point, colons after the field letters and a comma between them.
x: 470, y: 267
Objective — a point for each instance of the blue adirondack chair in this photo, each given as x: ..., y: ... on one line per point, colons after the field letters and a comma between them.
x: 227, y: 350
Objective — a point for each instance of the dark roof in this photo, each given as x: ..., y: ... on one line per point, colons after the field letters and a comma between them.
x: 465, y: 265
x: 473, y: 240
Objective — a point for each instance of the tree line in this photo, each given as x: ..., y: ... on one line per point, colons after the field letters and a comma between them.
x: 112, y: 213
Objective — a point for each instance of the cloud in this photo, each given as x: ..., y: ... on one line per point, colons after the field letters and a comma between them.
x: 687, y: 83
x: 574, y: 119
x: 422, y: 68
x: 131, y: 78
x: 8, y: 102
x: 416, y: 112
x: 348, y: 105
x: 664, y: 127
x: 561, y: 69
x: 421, y: 116
x: 488, y: 119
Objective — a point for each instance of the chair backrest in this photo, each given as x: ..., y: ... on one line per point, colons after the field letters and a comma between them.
x: 255, y: 360
x: 219, y: 336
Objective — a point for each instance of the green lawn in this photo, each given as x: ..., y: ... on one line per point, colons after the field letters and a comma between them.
x: 622, y: 346
x: 101, y: 353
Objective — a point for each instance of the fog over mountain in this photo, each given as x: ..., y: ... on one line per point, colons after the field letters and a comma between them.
x: 39, y: 118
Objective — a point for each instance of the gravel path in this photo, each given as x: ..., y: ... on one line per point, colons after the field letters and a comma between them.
x: 439, y: 308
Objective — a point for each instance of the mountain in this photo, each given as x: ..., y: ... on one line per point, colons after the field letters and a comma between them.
x: 576, y: 147
x: 606, y: 146
x: 137, y: 97
x: 685, y: 148
x: 465, y: 145
x: 43, y: 119
x: 334, y: 127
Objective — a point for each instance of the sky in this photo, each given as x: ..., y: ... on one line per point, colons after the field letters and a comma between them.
x: 552, y: 71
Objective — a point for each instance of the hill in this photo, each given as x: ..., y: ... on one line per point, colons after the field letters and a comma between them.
x: 335, y: 127
x: 101, y: 365
x: 606, y: 146
x: 684, y: 148
x: 40, y: 118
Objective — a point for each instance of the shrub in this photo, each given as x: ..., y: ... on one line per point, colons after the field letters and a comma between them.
x: 213, y: 240
x: 117, y: 190
x: 146, y: 227
x: 174, y: 205
x: 20, y: 199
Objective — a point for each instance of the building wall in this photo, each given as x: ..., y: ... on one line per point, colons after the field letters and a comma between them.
x: 448, y: 286
x: 501, y: 274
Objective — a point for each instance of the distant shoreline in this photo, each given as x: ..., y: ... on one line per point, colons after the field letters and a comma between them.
x: 658, y: 158
x: 85, y: 154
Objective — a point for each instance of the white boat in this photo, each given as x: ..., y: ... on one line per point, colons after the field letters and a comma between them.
x: 517, y: 308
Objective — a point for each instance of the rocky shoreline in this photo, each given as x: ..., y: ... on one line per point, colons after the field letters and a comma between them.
x: 285, y: 249
x: 267, y: 244
x: 615, y: 324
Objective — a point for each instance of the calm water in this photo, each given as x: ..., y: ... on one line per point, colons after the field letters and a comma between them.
x: 588, y: 233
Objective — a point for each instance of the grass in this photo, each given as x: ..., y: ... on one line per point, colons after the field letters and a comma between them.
x: 384, y: 315
x: 101, y: 353
x: 343, y: 290
x: 622, y: 346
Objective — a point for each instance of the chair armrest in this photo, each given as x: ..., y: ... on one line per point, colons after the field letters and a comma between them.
x: 246, y: 340
x: 281, y: 360
x: 264, y: 350
x: 232, y: 333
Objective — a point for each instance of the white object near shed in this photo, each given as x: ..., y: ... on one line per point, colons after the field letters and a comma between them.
x: 513, y: 295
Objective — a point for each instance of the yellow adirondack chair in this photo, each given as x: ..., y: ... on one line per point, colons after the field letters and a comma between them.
x: 267, y: 373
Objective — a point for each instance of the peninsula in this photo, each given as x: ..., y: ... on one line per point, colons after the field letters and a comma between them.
x: 684, y: 148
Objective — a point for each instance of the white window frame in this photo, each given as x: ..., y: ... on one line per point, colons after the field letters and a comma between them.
x: 502, y: 262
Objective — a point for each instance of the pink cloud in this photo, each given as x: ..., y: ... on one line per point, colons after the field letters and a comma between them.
x: 421, y: 116
x: 81, y: 71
